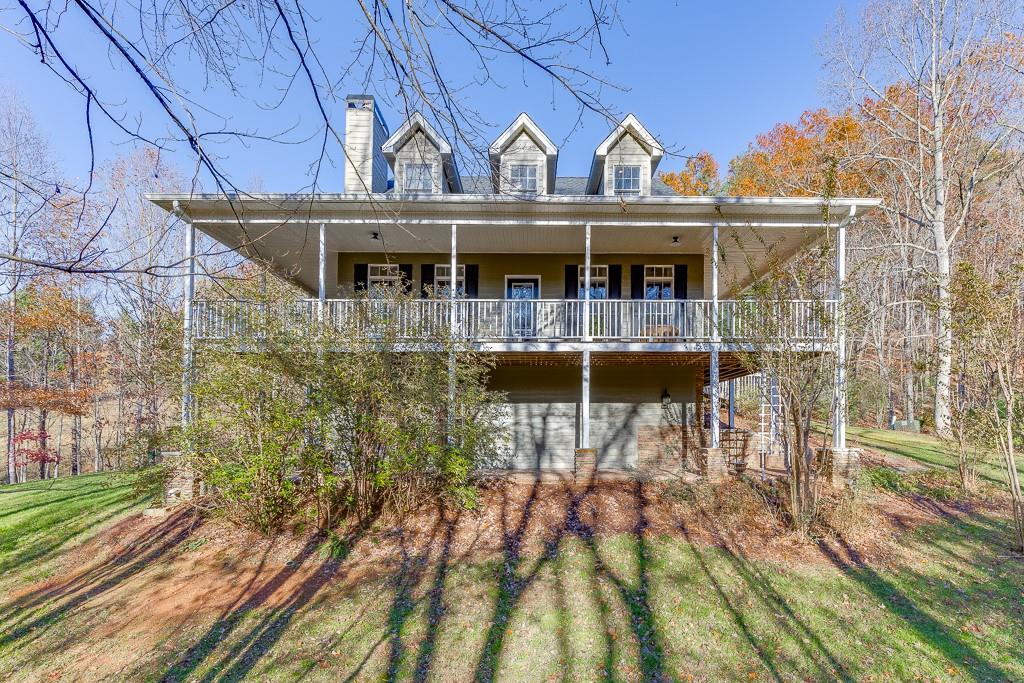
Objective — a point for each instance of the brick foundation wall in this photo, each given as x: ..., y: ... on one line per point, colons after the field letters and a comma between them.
x: 585, y: 461
x: 663, y: 447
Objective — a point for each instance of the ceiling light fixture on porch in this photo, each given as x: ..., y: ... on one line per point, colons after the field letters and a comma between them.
x: 675, y: 240
x: 666, y: 398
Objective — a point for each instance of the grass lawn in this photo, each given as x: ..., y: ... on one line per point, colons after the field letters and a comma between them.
x: 40, y: 519
x: 584, y: 607
x: 927, y: 450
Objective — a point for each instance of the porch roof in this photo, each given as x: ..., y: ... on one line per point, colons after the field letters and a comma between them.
x: 282, y: 229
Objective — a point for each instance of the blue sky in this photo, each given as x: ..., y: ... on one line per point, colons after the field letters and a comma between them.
x: 701, y: 76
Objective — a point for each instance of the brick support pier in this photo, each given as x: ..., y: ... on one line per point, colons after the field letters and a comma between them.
x: 716, y: 465
x: 840, y: 466
x: 585, y: 462
x: 181, y: 485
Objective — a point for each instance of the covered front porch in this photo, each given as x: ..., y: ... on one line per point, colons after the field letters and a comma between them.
x: 719, y: 244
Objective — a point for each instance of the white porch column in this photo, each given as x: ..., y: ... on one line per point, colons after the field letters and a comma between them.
x: 839, y: 428
x: 586, y: 283
x: 322, y: 276
x: 188, y: 352
x: 714, y: 397
x: 585, y: 389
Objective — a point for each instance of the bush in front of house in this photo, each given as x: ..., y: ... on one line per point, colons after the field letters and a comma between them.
x: 352, y: 418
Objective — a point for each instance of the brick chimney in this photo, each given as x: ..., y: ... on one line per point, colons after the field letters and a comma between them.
x: 366, y: 169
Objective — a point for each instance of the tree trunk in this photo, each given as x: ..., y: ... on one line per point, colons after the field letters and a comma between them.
x: 944, y: 337
x: 97, y: 430
x: 60, y: 438
x: 76, y: 445
x: 1012, y: 479
x: 43, y: 445
x: 908, y: 358
x: 11, y: 473
x: 944, y: 332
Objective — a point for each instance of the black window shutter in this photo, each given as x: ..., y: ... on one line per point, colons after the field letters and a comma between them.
x: 362, y: 274
x: 636, y: 281
x: 572, y: 281
x: 426, y: 279
x: 406, y: 270
x: 679, y: 281
x: 614, y: 281
x: 472, y: 280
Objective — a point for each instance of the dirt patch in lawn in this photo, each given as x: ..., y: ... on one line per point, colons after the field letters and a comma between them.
x: 147, y: 581
x: 184, y: 563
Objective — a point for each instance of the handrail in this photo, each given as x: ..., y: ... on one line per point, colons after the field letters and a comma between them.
x: 532, y: 319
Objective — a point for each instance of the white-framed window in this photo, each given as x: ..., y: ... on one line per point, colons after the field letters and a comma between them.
x: 382, y: 277
x: 523, y: 178
x: 627, y: 179
x: 419, y: 177
x: 443, y: 279
x: 598, y: 282
x: 658, y: 282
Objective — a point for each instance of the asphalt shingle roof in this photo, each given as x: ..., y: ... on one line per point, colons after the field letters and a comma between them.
x: 564, y: 185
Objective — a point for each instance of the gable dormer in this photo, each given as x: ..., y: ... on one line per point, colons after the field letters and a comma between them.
x: 625, y: 161
x: 523, y: 159
x: 420, y: 159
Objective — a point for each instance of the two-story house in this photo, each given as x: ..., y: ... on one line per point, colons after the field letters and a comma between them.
x: 608, y: 300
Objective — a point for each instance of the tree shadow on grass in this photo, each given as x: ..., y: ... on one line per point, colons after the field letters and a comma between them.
x: 513, y: 582
x: 75, y: 494
x: 636, y: 598
x: 247, y: 651
x: 41, y: 546
x: 436, y: 607
x: 763, y: 653
x: 927, y: 628
x: 30, y: 617
x: 786, y: 617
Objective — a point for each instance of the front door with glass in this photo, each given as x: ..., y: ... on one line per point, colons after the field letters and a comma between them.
x: 522, y: 293
x: 659, y: 313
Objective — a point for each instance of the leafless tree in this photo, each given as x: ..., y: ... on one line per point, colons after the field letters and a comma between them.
x: 267, y: 53
x: 942, y: 90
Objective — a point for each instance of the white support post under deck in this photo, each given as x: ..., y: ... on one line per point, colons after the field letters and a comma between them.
x: 585, y: 402
x: 732, y: 404
x: 188, y: 352
x: 839, y: 426
x: 585, y: 389
x: 714, y: 398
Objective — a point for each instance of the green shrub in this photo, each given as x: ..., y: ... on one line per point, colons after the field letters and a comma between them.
x: 298, y: 430
x: 934, y: 484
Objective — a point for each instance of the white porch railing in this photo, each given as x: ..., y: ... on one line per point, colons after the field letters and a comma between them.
x: 512, y: 320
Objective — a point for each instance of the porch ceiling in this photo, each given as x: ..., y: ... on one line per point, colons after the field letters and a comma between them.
x: 730, y: 364
x: 284, y: 230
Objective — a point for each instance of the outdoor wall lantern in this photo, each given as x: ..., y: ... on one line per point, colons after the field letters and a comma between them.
x: 675, y: 240
x: 375, y: 236
x: 666, y: 398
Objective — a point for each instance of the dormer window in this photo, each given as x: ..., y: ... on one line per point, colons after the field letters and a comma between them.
x: 627, y: 180
x: 419, y: 178
x: 523, y: 178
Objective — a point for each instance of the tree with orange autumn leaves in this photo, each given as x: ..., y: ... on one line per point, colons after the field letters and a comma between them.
x: 58, y: 371
x: 699, y: 176
x: 814, y: 156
